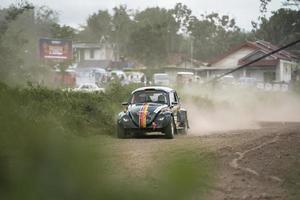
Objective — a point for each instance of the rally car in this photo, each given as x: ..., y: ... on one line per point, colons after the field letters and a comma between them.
x: 152, y: 109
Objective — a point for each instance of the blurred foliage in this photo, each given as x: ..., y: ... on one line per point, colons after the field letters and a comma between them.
x: 151, y: 35
x: 154, y: 36
x: 286, y: 3
x: 42, y: 155
x: 21, y: 27
x: 74, y: 110
x: 284, y: 24
x: 214, y: 34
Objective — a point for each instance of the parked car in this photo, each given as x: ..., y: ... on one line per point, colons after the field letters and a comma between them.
x: 152, y: 109
x: 120, y: 75
x: 228, y: 79
x: 91, y: 75
x: 184, y: 77
x: 136, y: 77
x: 161, y: 79
x: 89, y: 87
x: 247, y: 81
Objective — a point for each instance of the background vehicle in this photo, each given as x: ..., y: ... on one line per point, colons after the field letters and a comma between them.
x: 247, y: 81
x: 119, y: 75
x: 161, y: 79
x: 96, y: 76
x: 152, y: 109
x: 136, y: 77
x: 228, y: 79
x: 184, y: 77
x: 89, y: 87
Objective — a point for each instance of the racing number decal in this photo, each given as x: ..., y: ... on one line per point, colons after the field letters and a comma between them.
x: 143, y: 116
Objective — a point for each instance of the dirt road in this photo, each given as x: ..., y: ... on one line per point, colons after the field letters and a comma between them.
x: 252, y: 164
x: 259, y: 164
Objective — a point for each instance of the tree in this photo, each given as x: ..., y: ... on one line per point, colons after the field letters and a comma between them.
x: 62, y: 31
x: 21, y: 27
x: 98, y: 26
x: 122, y: 27
x: 153, y: 37
x: 281, y: 28
x: 286, y: 3
x: 213, y: 35
x: 182, y: 15
x: 15, y: 45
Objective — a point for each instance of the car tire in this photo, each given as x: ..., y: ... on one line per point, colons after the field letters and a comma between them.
x: 185, y: 125
x: 121, y: 133
x: 170, y: 130
x: 184, y: 129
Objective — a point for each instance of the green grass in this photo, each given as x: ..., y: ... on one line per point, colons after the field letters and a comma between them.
x: 57, y: 145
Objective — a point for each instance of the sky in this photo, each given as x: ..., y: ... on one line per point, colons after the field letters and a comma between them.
x: 75, y: 12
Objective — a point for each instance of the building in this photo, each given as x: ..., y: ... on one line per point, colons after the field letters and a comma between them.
x: 93, y: 55
x: 278, y: 67
x: 178, y: 62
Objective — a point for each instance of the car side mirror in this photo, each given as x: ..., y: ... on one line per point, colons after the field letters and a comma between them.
x: 125, y: 103
x: 174, y: 103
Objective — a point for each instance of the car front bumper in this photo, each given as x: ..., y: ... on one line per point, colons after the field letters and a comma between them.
x: 158, y: 125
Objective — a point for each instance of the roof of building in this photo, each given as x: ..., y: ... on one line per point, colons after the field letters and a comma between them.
x: 90, y: 45
x: 94, y: 64
x: 87, y: 45
x: 180, y: 58
x: 262, y: 46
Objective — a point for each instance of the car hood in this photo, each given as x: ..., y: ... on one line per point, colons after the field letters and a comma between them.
x: 144, y: 114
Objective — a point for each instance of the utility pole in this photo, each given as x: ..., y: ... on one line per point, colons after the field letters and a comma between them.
x: 192, y: 50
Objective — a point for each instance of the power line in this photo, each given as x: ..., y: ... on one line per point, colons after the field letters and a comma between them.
x: 254, y: 61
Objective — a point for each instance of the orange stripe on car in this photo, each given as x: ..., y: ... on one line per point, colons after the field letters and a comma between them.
x: 143, y: 116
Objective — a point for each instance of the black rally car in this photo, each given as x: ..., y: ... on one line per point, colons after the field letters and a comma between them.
x: 152, y: 109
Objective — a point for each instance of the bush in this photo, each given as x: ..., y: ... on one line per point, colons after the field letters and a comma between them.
x: 42, y: 156
x: 80, y: 113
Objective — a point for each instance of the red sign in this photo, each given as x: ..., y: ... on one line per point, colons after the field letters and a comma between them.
x: 55, y: 48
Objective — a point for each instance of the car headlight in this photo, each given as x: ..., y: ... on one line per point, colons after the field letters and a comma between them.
x: 161, y: 118
x: 125, y: 119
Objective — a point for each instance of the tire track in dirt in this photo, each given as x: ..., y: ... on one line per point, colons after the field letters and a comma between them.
x: 241, y: 155
x: 250, y: 165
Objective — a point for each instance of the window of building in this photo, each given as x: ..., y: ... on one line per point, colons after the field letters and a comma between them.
x: 269, y: 77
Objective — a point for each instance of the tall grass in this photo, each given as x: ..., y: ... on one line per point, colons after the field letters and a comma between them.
x: 46, y: 150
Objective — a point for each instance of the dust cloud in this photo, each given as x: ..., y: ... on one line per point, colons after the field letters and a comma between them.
x: 213, y: 110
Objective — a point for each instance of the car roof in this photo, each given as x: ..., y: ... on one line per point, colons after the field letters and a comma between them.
x: 166, y: 89
x: 185, y: 73
x: 118, y: 71
x: 93, y: 84
x: 160, y: 74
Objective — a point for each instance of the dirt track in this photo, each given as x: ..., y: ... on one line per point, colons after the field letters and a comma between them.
x: 252, y: 164
x: 256, y: 164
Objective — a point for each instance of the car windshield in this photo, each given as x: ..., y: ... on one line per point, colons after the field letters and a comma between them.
x: 155, y: 96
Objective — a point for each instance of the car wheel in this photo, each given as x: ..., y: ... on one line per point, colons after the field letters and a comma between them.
x: 121, y: 132
x: 170, y: 130
x: 185, y: 129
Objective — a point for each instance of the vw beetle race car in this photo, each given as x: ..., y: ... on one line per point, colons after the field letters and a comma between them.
x: 152, y: 109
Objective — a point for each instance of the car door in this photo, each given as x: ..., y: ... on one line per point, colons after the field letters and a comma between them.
x: 175, y: 106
